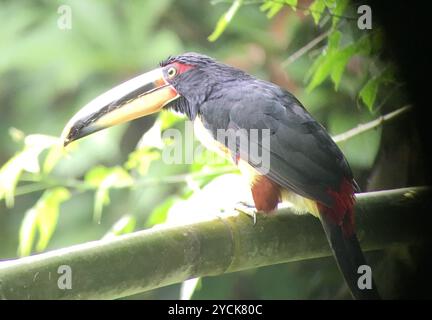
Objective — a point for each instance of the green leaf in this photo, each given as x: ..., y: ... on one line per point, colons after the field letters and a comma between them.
x: 16, y: 134
x: 27, y: 233
x: 34, y: 145
x: 48, y: 211
x: 363, y: 45
x: 334, y: 40
x: 9, y: 176
x: 42, y: 217
x: 273, y: 7
x: 340, y: 60
x: 311, y: 71
x: 333, y: 60
x: 101, y: 199
x: 332, y: 44
x: 160, y: 213
x: 95, y: 176
x: 338, y: 11
x: 224, y: 20
x: 26, y: 160
x: 292, y: 4
x: 55, y: 153
x: 369, y: 91
x: 316, y: 9
x: 125, y: 224
x: 168, y: 119
x: 141, y: 159
x: 104, y: 179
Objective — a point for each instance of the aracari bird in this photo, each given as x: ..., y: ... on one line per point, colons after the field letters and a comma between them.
x: 306, y: 167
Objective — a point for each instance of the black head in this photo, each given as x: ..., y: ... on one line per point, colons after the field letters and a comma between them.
x: 198, y: 78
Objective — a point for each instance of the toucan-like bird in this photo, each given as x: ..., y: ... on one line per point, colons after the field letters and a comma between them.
x: 306, y: 167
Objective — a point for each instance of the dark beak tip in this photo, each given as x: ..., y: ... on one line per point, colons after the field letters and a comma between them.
x: 66, y: 142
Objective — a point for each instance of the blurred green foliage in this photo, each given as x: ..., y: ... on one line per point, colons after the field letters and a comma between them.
x: 115, y: 182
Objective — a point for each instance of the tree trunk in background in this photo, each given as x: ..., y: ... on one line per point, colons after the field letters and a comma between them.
x: 400, y: 161
x: 404, y: 157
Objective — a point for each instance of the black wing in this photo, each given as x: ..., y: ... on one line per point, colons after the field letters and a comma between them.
x: 303, y: 157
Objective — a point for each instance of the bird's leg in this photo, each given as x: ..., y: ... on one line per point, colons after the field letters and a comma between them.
x: 248, y: 209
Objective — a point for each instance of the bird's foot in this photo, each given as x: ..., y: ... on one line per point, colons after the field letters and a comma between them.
x: 248, y: 209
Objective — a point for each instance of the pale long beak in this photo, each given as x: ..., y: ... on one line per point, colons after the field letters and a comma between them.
x: 138, y: 97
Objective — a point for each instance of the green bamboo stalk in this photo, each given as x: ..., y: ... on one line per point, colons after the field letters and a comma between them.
x: 144, y: 260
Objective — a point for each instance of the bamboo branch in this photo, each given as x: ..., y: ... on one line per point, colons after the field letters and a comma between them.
x: 144, y: 260
x: 361, y: 128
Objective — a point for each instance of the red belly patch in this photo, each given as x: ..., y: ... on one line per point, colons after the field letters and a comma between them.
x: 266, y: 194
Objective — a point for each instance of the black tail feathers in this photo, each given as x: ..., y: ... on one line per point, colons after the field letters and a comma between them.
x: 349, y: 258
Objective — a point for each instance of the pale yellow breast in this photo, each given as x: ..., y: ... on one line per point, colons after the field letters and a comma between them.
x: 206, y: 138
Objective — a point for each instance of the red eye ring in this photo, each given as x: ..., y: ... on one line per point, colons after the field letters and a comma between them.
x: 181, y: 67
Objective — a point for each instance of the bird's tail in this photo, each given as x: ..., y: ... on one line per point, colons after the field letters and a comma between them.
x: 338, y: 224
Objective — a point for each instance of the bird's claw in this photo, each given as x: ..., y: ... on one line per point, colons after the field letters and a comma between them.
x: 247, y: 209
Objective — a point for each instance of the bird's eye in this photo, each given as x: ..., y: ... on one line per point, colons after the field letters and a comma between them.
x: 172, y: 72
